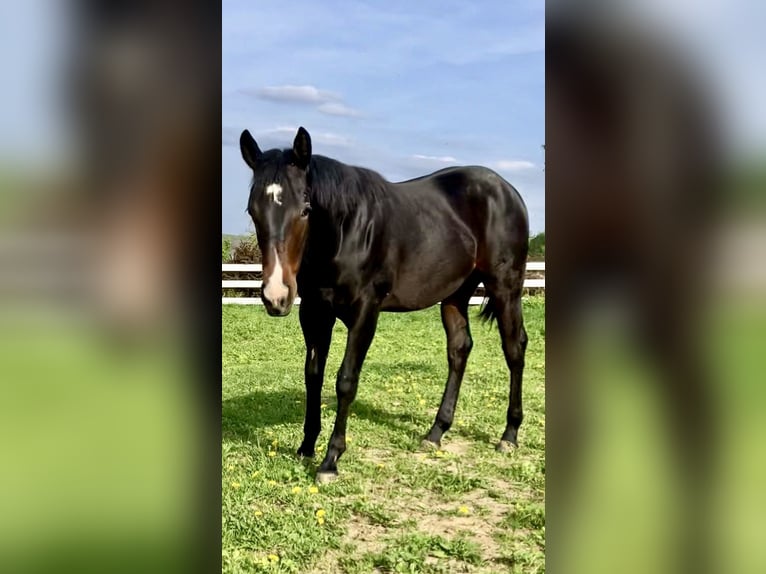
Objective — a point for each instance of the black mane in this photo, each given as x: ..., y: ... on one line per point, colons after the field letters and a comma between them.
x: 341, y: 189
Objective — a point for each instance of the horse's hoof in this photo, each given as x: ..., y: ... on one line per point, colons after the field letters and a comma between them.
x: 426, y: 444
x: 505, y: 446
x: 300, y: 453
x: 326, y: 477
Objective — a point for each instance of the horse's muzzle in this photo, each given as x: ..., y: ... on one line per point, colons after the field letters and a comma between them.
x: 279, y: 308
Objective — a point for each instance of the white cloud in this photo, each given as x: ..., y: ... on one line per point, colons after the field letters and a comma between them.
x: 513, y: 165
x: 280, y: 131
x: 436, y: 158
x: 282, y: 137
x: 329, y: 138
x: 299, y: 94
x: 329, y: 103
x: 338, y: 109
x: 285, y: 134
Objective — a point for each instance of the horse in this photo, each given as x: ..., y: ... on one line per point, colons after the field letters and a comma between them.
x: 352, y: 244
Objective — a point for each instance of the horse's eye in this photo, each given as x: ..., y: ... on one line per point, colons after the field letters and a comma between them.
x: 306, y: 209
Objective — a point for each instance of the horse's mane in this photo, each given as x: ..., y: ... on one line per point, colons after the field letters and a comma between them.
x: 342, y: 189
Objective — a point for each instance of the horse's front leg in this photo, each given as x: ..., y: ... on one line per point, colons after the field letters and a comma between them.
x: 317, y: 321
x: 360, y: 333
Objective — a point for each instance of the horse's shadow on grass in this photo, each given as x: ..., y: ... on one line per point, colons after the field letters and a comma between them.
x: 243, y: 416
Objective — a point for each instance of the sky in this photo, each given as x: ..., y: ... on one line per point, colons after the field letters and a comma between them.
x: 401, y: 87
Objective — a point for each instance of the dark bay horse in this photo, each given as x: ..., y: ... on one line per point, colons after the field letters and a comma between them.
x: 351, y: 244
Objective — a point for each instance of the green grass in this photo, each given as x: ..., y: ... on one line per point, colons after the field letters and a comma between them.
x: 394, y: 508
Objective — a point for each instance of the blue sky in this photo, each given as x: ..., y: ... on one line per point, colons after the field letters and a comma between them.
x: 428, y: 78
x: 401, y: 87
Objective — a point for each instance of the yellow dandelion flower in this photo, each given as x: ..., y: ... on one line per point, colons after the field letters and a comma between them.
x: 274, y: 443
x: 313, y: 489
x: 439, y: 454
x: 255, y: 474
x: 381, y: 465
x: 348, y: 439
x: 272, y: 483
x: 229, y: 467
x: 258, y: 513
x: 463, y: 510
x: 422, y: 401
x: 272, y: 453
x: 323, y: 406
x: 235, y: 485
x: 296, y: 490
x: 320, y: 520
x: 320, y: 513
x: 273, y: 558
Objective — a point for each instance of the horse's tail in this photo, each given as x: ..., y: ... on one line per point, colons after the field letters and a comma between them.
x: 488, y: 312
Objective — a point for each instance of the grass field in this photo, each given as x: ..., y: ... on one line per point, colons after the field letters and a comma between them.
x: 394, y: 508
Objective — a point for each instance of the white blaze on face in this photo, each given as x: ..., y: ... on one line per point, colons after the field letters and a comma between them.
x: 275, y: 192
x: 275, y: 286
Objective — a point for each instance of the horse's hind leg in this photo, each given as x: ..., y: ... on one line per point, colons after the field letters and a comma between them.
x: 506, y: 302
x: 454, y: 312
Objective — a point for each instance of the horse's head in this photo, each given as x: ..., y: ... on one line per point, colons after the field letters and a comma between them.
x: 279, y: 207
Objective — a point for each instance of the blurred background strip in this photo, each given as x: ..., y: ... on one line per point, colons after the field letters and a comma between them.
x: 109, y: 186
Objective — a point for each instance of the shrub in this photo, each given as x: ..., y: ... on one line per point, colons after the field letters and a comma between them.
x: 246, y: 251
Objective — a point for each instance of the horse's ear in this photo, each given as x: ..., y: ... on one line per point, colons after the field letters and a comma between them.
x: 249, y: 149
x: 302, y: 148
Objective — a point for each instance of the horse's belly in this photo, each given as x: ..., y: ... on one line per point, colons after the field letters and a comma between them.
x: 432, y: 275
x: 406, y: 298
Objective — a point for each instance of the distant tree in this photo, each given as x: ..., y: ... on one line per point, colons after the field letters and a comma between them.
x: 226, y: 250
x: 537, y: 246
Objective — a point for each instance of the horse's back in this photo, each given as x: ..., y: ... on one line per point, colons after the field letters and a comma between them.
x: 476, y: 192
